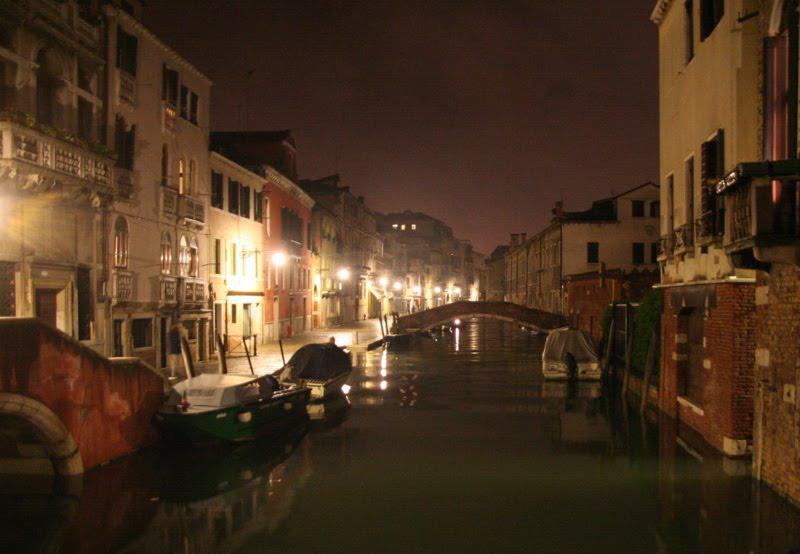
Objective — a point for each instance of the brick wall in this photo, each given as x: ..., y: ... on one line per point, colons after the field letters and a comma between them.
x: 588, y: 295
x: 777, y: 425
x: 728, y: 350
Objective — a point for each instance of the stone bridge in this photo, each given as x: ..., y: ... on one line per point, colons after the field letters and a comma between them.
x: 530, y: 317
x: 65, y: 406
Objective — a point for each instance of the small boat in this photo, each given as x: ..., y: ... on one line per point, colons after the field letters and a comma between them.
x: 569, y: 354
x: 323, y: 368
x: 217, y: 408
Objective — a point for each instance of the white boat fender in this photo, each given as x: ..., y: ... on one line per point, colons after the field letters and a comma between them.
x: 287, y: 406
x: 245, y: 417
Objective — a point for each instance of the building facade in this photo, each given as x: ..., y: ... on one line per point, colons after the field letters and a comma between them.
x: 619, y: 233
x: 709, y: 97
x: 56, y: 174
x: 157, y: 120
x: 496, y: 274
x: 236, y: 255
x: 348, y: 253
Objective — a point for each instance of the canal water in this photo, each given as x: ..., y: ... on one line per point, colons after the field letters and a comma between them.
x: 456, y: 444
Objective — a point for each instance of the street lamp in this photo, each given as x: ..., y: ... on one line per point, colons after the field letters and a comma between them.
x: 457, y: 291
x: 279, y: 258
x: 343, y: 274
x: 383, y: 281
x: 397, y: 285
x: 417, y: 290
x: 437, y: 290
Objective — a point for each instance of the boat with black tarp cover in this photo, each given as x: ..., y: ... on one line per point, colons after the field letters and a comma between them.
x: 323, y: 368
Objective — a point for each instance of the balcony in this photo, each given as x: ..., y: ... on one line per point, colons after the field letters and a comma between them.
x: 666, y: 247
x: 123, y: 183
x: 167, y: 290
x: 35, y: 157
x: 191, y: 290
x: 169, y: 201
x: 191, y: 210
x: 127, y: 88
x: 684, y: 239
x: 122, y: 285
x: 762, y: 218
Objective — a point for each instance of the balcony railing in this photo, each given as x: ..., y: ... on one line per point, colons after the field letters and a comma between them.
x: 168, y: 289
x: 191, y: 290
x: 42, y: 150
x: 169, y: 201
x: 684, y: 237
x: 127, y: 88
x: 123, y: 182
x: 667, y: 245
x: 122, y: 285
x: 192, y: 209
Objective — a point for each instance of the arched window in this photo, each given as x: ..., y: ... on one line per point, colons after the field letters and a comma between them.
x: 194, y: 258
x: 181, y: 176
x: 121, y: 243
x: 7, y: 71
x: 183, y: 257
x: 192, y: 177
x: 166, y: 253
x: 47, y: 87
x: 165, y: 166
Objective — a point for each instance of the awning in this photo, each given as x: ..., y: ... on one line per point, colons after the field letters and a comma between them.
x: 745, y: 172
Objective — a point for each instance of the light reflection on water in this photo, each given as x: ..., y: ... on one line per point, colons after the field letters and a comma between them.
x: 453, y: 444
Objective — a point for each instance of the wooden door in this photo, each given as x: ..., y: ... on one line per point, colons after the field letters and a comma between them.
x: 694, y: 369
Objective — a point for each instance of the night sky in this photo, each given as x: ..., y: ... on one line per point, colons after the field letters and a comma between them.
x: 480, y: 113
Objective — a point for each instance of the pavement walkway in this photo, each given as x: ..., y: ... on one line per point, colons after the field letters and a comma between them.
x: 356, y: 335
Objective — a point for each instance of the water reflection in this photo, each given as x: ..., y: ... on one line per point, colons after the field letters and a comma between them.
x: 433, y: 449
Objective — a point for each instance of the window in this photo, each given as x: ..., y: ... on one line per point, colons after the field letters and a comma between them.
x: 216, y: 190
x: 711, y: 11
x: 184, y: 109
x: 688, y: 7
x: 637, y: 208
x: 713, y: 169
x: 169, y: 86
x: 194, y: 258
x: 403, y: 227
x: 125, y: 140
x: 244, y: 206
x: 267, y: 221
x: 655, y: 207
x: 258, y: 205
x: 192, y: 177
x: 48, y: 85
x: 689, y: 180
x: 291, y: 226
x: 85, y: 303
x: 670, y: 203
x: 233, y: 258
x: 193, y: 108
x: 218, y: 256
x: 85, y: 119
x: 183, y: 256
x: 121, y: 243
x: 413, y: 226
x: 394, y: 225
x: 233, y: 196
x: 690, y: 376
x: 142, y: 332
x: 191, y: 328
x: 638, y: 253
x: 127, y: 47
x: 166, y: 253
x: 233, y: 313
x: 592, y: 252
x: 309, y: 242
x: 181, y: 176
x: 654, y: 247
x: 164, y: 166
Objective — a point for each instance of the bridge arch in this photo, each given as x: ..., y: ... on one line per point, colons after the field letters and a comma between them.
x: 530, y: 317
x: 58, y: 443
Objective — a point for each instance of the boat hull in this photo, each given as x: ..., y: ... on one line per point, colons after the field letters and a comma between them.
x: 233, y: 424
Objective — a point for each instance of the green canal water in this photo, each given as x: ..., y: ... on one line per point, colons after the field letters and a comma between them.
x: 453, y: 445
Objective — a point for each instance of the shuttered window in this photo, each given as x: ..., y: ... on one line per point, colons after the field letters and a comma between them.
x: 127, y: 51
x: 713, y: 169
x: 233, y: 196
x: 216, y: 190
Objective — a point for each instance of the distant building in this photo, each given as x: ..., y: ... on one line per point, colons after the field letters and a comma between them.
x: 496, y: 274
x: 287, y: 226
x: 348, y: 251
x: 620, y: 232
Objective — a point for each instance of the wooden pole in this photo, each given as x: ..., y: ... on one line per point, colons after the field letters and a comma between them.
x: 247, y: 353
x: 609, y: 347
x: 628, y: 351
x: 283, y: 358
x: 648, y: 369
x: 222, y: 363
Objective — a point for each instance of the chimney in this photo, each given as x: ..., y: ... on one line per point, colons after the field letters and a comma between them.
x: 523, y: 237
x: 361, y: 199
x: 558, y: 211
x: 514, y: 240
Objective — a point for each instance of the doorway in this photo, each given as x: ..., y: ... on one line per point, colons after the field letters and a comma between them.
x: 47, y: 306
x: 163, y: 328
x: 201, y: 339
x: 118, y: 351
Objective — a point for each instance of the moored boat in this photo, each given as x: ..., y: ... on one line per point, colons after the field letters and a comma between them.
x: 220, y: 408
x: 323, y: 368
x: 569, y: 354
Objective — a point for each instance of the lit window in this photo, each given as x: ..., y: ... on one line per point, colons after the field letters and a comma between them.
x: 166, y: 252
x: 183, y: 256
x: 192, y: 177
x: 181, y: 176
x: 121, y: 243
x: 403, y: 227
x: 413, y: 226
x: 394, y: 225
x: 194, y: 258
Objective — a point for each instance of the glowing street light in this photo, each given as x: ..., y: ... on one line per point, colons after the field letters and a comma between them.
x: 343, y: 274
x: 397, y: 285
x: 437, y: 290
x: 383, y: 281
x: 279, y: 258
x: 417, y: 290
x: 457, y: 291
